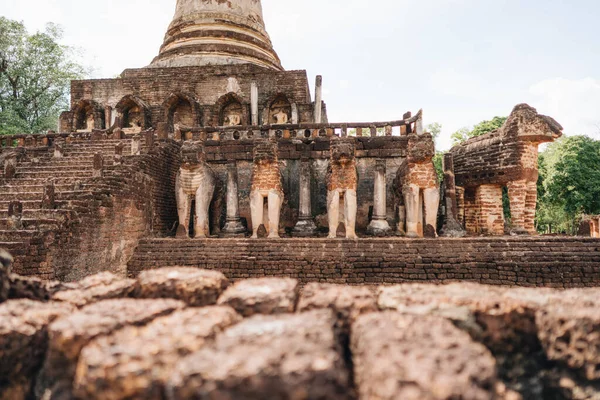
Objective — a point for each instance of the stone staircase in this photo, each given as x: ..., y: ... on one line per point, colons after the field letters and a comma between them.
x: 74, y: 186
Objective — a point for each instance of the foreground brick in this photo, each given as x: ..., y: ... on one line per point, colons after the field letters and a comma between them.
x: 102, y: 286
x: 293, y: 356
x: 135, y: 362
x: 69, y: 335
x: 23, y: 287
x: 571, y: 335
x: 502, y: 321
x: 262, y: 296
x: 24, y: 340
x: 401, y: 356
x: 194, y: 286
x: 347, y: 303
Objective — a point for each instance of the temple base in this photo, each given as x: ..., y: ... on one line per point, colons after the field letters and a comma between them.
x: 379, y: 227
x: 305, y: 228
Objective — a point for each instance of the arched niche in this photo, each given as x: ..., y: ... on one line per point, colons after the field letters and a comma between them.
x: 87, y: 116
x: 279, y: 110
x: 230, y: 111
x: 182, y: 110
x: 133, y: 114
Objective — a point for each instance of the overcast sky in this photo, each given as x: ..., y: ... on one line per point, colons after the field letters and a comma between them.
x: 462, y: 61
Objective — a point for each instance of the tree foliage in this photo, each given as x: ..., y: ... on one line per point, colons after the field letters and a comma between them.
x: 482, y: 128
x: 35, y: 72
x: 570, y: 181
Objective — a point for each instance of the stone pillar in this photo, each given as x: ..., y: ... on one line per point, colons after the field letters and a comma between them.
x: 294, y: 113
x: 419, y: 125
x: 305, y: 226
x: 118, y: 133
x: 136, y: 143
x: 233, y: 224
x: 59, y: 148
x: 451, y: 228
x: 254, y: 102
x: 119, y: 153
x: 379, y: 225
x: 162, y: 131
x: 98, y: 165
x: 318, y: 99
x: 15, y: 215
x: 49, y: 196
x: 108, y: 116
x: 150, y: 141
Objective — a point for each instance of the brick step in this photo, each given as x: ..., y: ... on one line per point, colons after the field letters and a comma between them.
x: 40, y: 213
x: 32, y: 204
x: 33, y: 193
x: 41, y: 178
x: 17, y: 186
x: 20, y: 235
x: 34, y: 223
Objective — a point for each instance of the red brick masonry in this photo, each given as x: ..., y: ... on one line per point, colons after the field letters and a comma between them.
x: 538, y: 261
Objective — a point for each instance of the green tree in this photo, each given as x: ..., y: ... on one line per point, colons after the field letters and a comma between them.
x: 35, y: 75
x: 572, y: 175
x: 482, y: 128
x: 438, y: 160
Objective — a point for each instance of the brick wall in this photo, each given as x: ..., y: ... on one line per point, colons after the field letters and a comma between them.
x: 553, y: 262
x: 205, y: 84
x: 132, y: 201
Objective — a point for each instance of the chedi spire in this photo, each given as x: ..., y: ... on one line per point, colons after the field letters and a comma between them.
x: 217, y: 32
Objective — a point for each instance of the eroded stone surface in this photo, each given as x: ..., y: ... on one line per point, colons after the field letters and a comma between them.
x: 23, y: 340
x: 5, y: 262
x: 276, y: 357
x: 402, y: 356
x: 136, y: 362
x: 347, y: 302
x: 196, y: 287
x: 262, y: 296
x: 68, y: 335
x: 571, y: 335
x: 98, y: 287
x: 22, y: 287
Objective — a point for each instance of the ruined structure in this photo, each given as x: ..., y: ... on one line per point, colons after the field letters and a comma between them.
x: 215, y: 139
x: 195, y: 184
x: 507, y: 158
x: 590, y: 226
x: 341, y: 187
x: 417, y: 188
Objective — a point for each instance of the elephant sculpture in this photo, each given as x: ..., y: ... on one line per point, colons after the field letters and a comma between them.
x: 195, y: 181
x: 504, y: 158
x: 342, y: 180
x: 417, y: 188
x: 266, y: 184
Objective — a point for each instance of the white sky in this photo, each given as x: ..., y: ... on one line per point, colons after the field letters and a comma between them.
x: 462, y: 61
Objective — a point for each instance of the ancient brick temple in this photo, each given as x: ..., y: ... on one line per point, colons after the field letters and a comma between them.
x: 215, y: 141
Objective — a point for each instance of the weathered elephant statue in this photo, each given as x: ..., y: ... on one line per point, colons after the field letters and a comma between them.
x: 507, y: 157
x: 342, y: 180
x: 195, y: 180
x: 266, y: 184
x: 417, y: 188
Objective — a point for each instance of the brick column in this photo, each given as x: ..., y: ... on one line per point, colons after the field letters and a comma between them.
x: 305, y: 225
x: 379, y: 225
x: 491, y: 211
x: 233, y: 224
x: 451, y: 228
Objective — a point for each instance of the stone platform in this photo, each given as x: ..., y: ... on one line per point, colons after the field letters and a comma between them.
x: 559, y: 262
